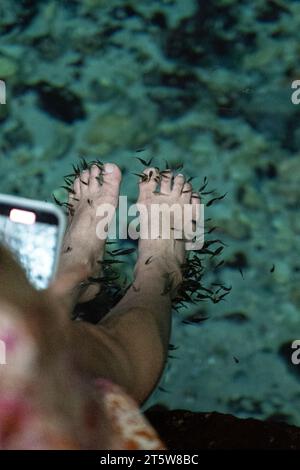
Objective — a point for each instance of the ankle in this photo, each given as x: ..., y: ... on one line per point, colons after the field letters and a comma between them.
x: 163, y: 269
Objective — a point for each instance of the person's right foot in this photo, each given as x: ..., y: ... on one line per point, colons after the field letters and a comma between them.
x: 167, y: 255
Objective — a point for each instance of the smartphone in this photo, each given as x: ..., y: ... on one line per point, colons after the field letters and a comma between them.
x: 33, y: 231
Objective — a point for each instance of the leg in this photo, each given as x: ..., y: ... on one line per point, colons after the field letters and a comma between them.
x: 130, y: 345
x: 83, y: 251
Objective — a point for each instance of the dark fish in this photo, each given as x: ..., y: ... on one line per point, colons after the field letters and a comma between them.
x: 215, y: 199
x: 57, y: 201
x: 272, y: 269
x: 121, y: 252
x: 178, y: 167
x: 205, y: 183
x: 218, y: 251
x: 110, y: 261
x: 84, y: 164
x: 163, y: 390
x: 144, y: 162
x: 76, y: 170
x: 205, y: 193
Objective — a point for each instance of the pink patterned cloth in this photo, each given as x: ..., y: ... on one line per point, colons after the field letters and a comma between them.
x: 36, y: 413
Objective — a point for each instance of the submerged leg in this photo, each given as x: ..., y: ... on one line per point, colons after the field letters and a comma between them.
x: 134, y: 336
x: 83, y: 250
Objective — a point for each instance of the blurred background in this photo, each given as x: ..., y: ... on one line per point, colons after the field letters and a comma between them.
x: 206, y: 83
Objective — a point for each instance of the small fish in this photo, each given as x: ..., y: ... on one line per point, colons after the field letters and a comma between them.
x: 100, y: 179
x: 121, y: 252
x: 110, y: 261
x: 144, y: 162
x: 215, y: 199
x: 57, y: 201
x: 220, y: 264
x: 222, y: 297
x: 205, y: 183
x: 84, y: 163
x: 222, y: 287
x: 142, y: 176
x: 163, y: 390
x: 165, y: 173
x: 242, y: 274
x: 272, y: 269
x: 142, y: 149
x: 178, y: 167
x: 196, y: 319
x: 76, y: 170
x: 205, y: 193
x: 236, y: 360
x: 218, y: 251
x: 211, y: 230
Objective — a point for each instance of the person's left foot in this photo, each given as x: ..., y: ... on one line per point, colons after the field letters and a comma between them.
x: 82, y: 248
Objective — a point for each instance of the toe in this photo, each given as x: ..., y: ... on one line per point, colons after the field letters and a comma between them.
x: 76, y: 187
x: 178, y: 185
x: 150, y: 183
x: 74, y: 195
x: 187, y: 193
x: 94, y: 183
x: 111, y: 179
x: 84, y: 180
x: 166, y: 181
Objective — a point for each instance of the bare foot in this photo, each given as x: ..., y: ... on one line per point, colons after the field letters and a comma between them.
x: 166, y: 255
x: 82, y: 250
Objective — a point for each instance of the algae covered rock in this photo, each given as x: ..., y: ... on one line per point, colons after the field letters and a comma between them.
x: 8, y: 67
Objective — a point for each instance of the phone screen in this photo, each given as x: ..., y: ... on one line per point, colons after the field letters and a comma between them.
x: 33, y: 236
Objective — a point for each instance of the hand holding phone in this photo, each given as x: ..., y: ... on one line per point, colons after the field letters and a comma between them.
x: 33, y: 231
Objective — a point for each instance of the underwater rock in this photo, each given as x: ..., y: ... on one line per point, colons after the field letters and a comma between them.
x: 238, y: 227
x: 117, y: 128
x: 60, y: 103
x: 182, y: 429
x: 250, y: 198
x: 8, y: 67
x: 289, y: 181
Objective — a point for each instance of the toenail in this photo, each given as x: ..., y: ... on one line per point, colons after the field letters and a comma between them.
x: 109, y: 168
x: 180, y: 174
